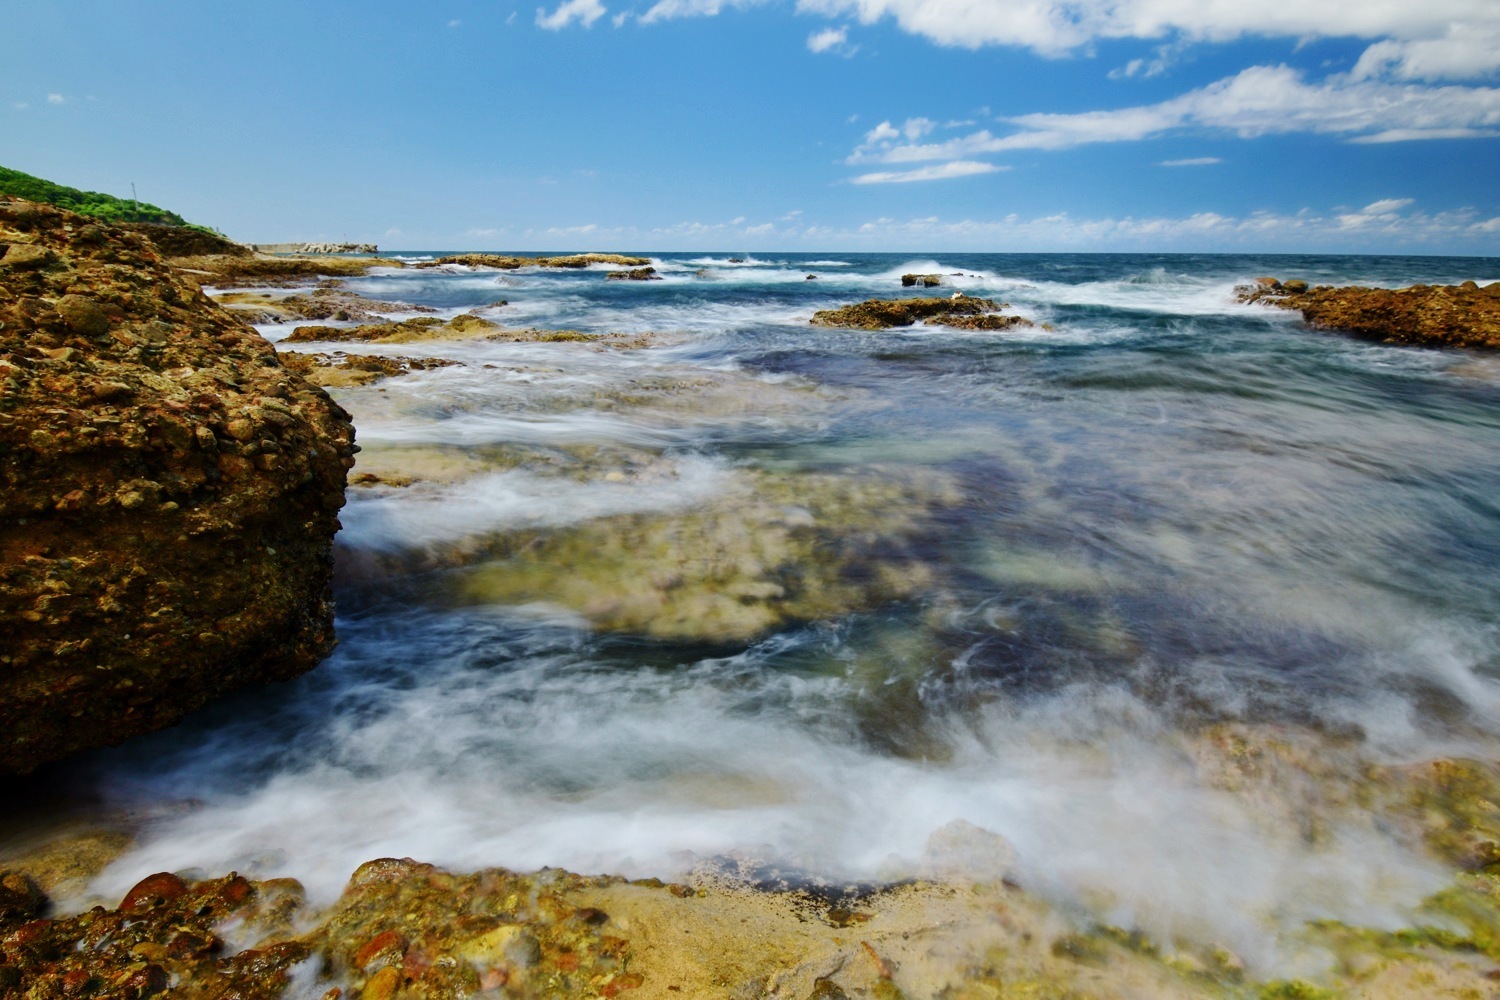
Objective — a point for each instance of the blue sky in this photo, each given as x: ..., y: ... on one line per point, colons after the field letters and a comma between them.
x: 906, y: 125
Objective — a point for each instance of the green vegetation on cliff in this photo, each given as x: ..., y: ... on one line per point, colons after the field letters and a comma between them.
x: 100, y: 206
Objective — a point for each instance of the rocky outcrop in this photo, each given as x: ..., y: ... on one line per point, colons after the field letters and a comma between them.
x: 1465, y: 315
x: 187, y: 241
x: 339, y: 371
x: 507, y: 262
x: 636, y: 274
x: 262, y: 270
x: 961, y: 311
x: 168, y: 493
x: 923, y: 280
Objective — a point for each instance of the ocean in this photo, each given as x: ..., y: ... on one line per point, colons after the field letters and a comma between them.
x: 1152, y: 589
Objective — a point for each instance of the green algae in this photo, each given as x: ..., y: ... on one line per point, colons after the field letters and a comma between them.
x: 787, y: 548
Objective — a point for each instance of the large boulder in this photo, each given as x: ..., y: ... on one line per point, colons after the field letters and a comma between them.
x: 168, y: 493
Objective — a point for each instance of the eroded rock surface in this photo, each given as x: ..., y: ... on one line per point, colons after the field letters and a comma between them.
x: 1465, y: 315
x: 168, y: 493
x: 961, y: 311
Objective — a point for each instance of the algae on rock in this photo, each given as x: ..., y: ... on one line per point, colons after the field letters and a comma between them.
x: 784, y: 548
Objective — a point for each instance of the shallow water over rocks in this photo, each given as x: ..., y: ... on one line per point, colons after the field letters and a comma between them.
x: 1167, y: 591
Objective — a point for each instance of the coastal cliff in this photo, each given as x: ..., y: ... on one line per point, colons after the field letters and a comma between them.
x: 168, y: 493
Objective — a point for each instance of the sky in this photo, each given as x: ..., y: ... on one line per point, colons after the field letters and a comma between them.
x: 1345, y: 126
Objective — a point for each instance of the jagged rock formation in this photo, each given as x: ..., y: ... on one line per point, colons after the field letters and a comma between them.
x: 168, y: 493
x: 1463, y: 315
x: 962, y: 311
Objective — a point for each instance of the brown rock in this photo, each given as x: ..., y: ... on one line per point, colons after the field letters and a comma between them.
x: 963, y: 311
x: 153, y: 890
x: 1464, y: 315
x: 147, y: 565
x: 637, y: 274
x: 923, y: 280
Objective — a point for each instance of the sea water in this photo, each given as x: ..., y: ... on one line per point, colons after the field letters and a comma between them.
x: 1030, y: 580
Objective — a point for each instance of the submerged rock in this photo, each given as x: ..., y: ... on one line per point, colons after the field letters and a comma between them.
x: 789, y: 548
x: 168, y: 494
x: 961, y: 311
x: 1465, y: 315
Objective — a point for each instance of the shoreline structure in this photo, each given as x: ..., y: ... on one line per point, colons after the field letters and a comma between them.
x: 406, y: 929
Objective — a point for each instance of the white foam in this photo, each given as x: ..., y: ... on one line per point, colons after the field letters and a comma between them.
x: 425, y: 515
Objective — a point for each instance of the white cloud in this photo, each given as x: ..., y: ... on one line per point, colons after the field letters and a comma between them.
x: 56, y: 99
x: 1388, y: 205
x: 1260, y: 100
x: 1196, y: 161
x: 943, y: 171
x: 829, y: 38
x: 619, y: 19
x: 454, y: 23
x: 666, y: 10
x: 1435, y: 39
x: 20, y: 105
x: 585, y: 12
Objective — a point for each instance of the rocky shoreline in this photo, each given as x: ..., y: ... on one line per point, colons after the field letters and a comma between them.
x: 1465, y: 315
x: 141, y: 415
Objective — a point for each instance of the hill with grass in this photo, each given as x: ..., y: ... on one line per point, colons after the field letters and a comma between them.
x: 100, y: 206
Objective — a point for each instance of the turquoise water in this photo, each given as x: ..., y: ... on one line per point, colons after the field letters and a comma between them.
x: 1026, y: 579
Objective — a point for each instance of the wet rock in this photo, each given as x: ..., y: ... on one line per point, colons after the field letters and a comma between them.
x: 20, y: 898
x: 328, y: 302
x: 264, y: 270
x: 340, y: 370
x: 963, y: 311
x: 153, y: 890
x: 1464, y: 315
x: 637, y: 274
x: 148, y: 564
x: 921, y: 280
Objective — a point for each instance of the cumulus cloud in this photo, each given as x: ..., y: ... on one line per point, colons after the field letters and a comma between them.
x: 666, y: 10
x: 585, y: 12
x: 1435, y: 39
x: 944, y: 171
x: 830, y: 40
x: 1260, y: 100
x: 1260, y: 231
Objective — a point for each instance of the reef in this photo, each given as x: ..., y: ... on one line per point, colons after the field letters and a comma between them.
x: 328, y: 301
x: 266, y: 270
x: 960, y: 311
x: 1465, y: 315
x: 780, y: 549
x: 339, y: 370
x: 169, y: 493
x: 637, y: 274
x: 506, y: 262
x: 465, y: 326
